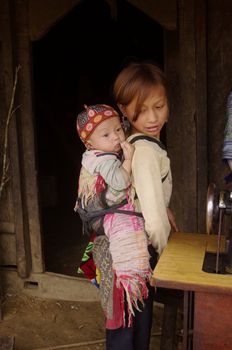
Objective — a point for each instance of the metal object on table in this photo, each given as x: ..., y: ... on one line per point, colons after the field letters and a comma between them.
x: 219, y: 204
x: 211, y: 208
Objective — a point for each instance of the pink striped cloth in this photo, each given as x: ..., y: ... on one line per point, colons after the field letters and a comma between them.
x: 128, y: 247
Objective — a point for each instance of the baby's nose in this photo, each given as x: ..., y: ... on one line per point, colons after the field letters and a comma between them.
x: 115, y: 136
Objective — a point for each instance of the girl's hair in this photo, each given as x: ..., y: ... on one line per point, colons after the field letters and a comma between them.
x: 137, y: 80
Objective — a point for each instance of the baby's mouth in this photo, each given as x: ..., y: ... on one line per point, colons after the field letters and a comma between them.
x: 117, y: 147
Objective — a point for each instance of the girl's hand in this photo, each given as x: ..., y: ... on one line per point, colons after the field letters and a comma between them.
x: 128, y: 150
x: 172, y: 220
x: 152, y: 281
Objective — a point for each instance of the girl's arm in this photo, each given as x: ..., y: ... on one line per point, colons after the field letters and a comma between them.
x: 146, y: 168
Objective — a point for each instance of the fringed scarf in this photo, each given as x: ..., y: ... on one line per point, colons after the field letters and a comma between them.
x: 128, y: 247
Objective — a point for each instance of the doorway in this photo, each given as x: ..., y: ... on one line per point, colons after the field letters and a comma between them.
x: 75, y: 64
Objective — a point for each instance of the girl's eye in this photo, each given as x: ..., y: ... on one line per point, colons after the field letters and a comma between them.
x: 160, y: 107
x: 119, y: 129
x: 105, y: 135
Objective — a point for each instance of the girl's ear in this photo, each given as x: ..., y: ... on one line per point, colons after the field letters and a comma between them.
x: 122, y: 109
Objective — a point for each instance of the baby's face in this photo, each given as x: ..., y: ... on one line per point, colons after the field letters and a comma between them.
x: 107, y: 136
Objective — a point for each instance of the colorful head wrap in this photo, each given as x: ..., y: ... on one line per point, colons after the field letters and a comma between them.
x: 91, y: 117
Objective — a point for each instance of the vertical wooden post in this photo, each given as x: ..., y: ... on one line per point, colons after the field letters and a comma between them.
x: 175, y: 123
x: 185, y: 59
x: 201, y: 113
x: 25, y: 118
x: 187, y: 152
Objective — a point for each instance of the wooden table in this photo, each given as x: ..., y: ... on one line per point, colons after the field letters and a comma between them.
x: 210, y: 318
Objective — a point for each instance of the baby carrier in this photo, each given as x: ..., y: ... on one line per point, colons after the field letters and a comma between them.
x: 92, y: 215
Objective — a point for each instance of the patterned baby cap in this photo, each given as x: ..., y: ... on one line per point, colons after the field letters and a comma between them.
x: 91, y: 117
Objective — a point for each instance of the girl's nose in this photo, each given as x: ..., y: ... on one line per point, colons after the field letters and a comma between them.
x: 152, y: 115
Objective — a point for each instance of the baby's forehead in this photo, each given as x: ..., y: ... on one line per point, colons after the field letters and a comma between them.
x: 109, y: 123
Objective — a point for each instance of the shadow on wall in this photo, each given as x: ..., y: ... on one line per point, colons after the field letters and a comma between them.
x: 75, y: 64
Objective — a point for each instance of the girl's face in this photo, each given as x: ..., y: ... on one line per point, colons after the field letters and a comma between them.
x: 107, y: 136
x: 153, y: 113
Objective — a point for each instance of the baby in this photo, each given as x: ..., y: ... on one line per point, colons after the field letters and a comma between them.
x: 105, y: 189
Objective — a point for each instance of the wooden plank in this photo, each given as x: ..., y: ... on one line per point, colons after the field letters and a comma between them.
x: 187, y: 176
x: 7, y: 227
x: 1, y: 296
x: 15, y: 171
x: 7, y: 249
x: 161, y: 11
x: 43, y: 15
x: 174, y: 125
x: 32, y: 229
x: 180, y: 265
x: 212, y: 322
x: 201, y: 112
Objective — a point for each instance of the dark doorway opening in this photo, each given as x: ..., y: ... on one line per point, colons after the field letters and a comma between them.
x: 76, y: 63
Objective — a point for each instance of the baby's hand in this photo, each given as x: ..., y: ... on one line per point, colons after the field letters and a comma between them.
x: 128, y: 150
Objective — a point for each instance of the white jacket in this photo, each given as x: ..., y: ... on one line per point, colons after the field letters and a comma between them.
x: 149, y: 165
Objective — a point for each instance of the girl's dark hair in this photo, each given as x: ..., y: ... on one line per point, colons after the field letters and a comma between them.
x: 137, y: 79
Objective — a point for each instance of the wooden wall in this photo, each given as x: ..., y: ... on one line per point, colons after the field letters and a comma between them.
x: 187, y: 127
x: 11, y: 196
x: 198, y: 61
x: 219, y: 82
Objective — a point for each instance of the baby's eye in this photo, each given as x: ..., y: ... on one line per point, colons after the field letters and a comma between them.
x: 160, y: 106
x: 119, y: 129
x: 105, y: 135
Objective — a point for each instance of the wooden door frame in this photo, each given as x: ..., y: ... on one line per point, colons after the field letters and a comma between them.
x: 186, y: 66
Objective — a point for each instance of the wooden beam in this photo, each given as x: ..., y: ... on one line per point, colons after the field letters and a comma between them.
x: 201, y: 113
x: 174, y: 125
x: 25, y: 118
x: 161, y: 11
x: 43, y: 15
x: 187, y: 71
x: 187, y: 127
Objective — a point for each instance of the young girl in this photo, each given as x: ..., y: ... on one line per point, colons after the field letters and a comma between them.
x: 140, y: 91
x: 105, y: 203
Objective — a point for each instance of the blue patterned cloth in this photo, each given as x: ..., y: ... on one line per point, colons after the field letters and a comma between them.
x: 227, y: 146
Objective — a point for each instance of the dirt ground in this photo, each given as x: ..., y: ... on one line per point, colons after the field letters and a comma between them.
x: 39, y: 324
